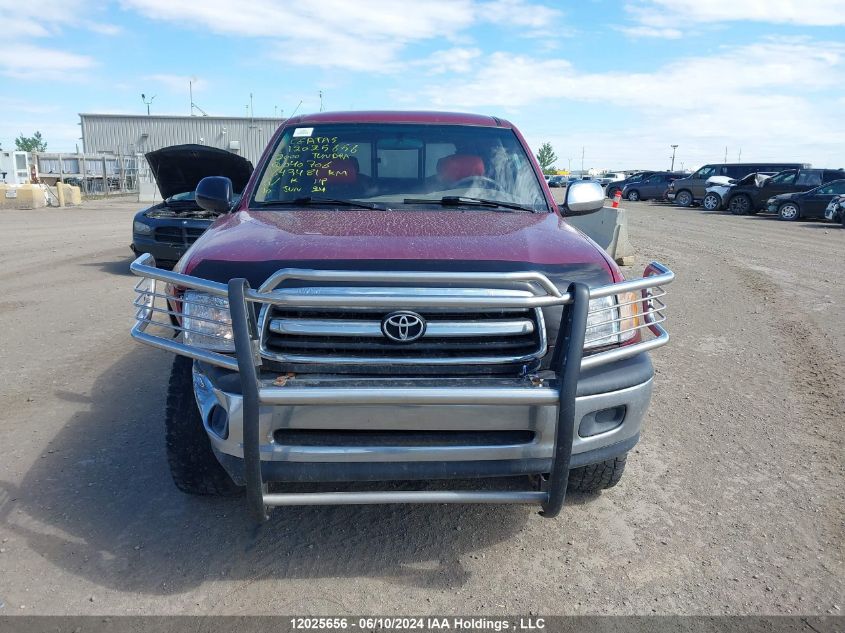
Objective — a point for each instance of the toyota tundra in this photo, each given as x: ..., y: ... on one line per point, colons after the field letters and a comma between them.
x: 397, y: 297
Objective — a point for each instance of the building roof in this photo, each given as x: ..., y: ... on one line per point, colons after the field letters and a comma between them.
x: 180, y: 116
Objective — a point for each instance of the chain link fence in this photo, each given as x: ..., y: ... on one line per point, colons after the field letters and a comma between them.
x: 95, y: 174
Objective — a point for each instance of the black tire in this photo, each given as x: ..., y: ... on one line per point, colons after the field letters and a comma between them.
x: 611, y: 191
x: 789, y: 211
x: 741, y: 205
x: 711, y: 202
x: 684, y: 198
x: 842, y: 217
x: 633, y: 195
x: 193, y: 466
x: 597, y: 477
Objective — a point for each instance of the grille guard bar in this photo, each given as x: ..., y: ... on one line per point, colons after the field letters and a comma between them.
x: 568, y: 361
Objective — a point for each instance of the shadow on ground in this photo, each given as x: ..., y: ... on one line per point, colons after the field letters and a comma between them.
x: 116, y: 267
x: 99, y: 504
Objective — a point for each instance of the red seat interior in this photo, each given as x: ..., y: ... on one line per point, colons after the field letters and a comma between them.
x: 459, y: 166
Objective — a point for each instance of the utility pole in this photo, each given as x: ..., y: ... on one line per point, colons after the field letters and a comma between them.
x: 569, y: 169
x: 726, y: 153
x: 321, y: 100
x: 739, y: 157
x: 582, y: 160
x: 674, y: 147
x: 251, y: 110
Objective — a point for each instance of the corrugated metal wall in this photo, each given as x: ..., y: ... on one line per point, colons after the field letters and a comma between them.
x: 127, y: 135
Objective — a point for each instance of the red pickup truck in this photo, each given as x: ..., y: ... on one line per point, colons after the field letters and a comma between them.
x: 398, y: 297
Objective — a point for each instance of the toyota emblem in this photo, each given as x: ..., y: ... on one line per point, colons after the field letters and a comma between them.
x: 403, y: 326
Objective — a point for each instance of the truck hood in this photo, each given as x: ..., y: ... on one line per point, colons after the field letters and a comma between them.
x: 179, y: 168
x: 255, y: 244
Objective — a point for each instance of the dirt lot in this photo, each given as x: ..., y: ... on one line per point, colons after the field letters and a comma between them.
x: 732, y: 503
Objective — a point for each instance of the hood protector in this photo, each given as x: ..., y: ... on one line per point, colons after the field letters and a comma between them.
x: 179, y: 168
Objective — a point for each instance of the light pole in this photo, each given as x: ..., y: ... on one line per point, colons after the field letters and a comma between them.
x: 147, y: 103
x: 674, y: 147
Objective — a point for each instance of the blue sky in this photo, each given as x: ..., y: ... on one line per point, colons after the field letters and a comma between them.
x: 622, y: 79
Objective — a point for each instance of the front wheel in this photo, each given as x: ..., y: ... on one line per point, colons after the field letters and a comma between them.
x: 193, y: 466
x: 711, y: 202
x: 597, y: 477
x: 683, y: 198
x: 789, y: 211
x: 741, y: 205
x: 633, y: 195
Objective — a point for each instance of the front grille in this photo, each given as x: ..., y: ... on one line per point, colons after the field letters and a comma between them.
x: 178, y: 235
x: 355, y: 337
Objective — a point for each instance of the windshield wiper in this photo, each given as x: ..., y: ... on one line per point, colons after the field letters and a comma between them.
x: 306, y: 200
x: 457, y: 201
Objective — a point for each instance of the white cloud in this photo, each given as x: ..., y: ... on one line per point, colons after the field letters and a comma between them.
x: 650, y: 31
x: 682, y: 14
x: 518, y: 13
x: 342, y: 34
x: 754, y: 96
x: 178, y: 83
x: 453, y: 60
x: 26, y: 61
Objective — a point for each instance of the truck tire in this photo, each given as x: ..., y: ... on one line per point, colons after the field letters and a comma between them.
x: 683, y: 198
x: 741, y: 205
x: 596, y: 477
x: 193, y: 466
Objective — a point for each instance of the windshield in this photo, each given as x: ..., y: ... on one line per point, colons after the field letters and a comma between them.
x: 186, y: 196
x: 399, y: 165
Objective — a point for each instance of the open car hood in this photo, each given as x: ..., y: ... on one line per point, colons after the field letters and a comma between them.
x: 179, y: 168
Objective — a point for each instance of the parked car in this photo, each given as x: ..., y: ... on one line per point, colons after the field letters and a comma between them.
x: 408, y: 310
x: 719, y: 188
x: 650, y: 187
x: 835, y: 211
x: 619, y: 185
x: 557, y: 181
x: 614, y: 176
x: 753, y: 197
x: 805, y: 204
x: 685, y: 191
x: 167, y: 229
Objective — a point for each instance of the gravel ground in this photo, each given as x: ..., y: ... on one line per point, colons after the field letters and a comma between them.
x: 732, y: 503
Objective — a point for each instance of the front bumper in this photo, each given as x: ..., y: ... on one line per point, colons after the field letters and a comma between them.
x: 321, y: 440
x: 271, y: 427
x: 163, y: 253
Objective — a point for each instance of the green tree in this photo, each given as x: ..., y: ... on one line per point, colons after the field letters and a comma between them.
x: 34, y: 143
x: 546, y: 157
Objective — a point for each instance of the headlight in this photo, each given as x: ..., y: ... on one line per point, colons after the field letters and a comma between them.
x: 141, y: 229
x: 207, y: 321
x: 612, y: 320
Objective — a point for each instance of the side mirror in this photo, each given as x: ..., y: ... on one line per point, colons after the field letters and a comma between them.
x: 582, y: 198
x: 214, y: 193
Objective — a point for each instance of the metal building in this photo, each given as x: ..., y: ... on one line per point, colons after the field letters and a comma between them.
x: 129, y: 135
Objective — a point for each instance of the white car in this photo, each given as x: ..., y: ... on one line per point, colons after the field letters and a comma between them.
x: 718, y: 187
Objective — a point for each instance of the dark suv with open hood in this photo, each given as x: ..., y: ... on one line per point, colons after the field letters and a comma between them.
x: 167, y: 229
x: 752, y: 197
